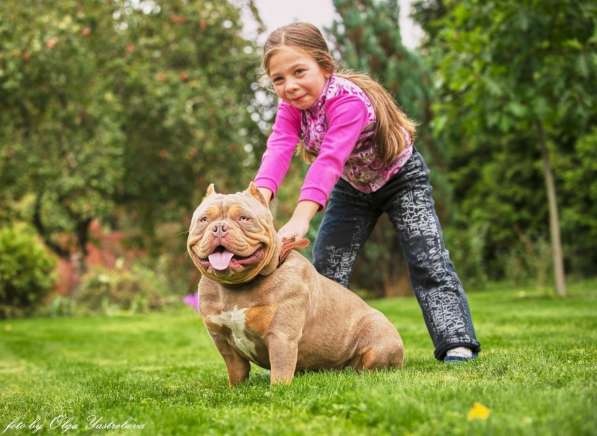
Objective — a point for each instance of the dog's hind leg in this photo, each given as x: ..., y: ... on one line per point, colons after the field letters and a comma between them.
x: 380, y: 347
x: 382, y: 356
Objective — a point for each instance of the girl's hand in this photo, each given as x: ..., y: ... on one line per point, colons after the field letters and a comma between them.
x: 296, y: 228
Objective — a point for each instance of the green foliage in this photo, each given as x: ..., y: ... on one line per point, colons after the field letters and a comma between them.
x: 138, y: 289
x: 178, y: 272
x: 529, y: 262
x: 58, y: 306
x: 466, y: 247
x: 26, y: 272
x: 509, y: 76
x: 118, y: 108
x: 59, y: 137
x: 579, y: 223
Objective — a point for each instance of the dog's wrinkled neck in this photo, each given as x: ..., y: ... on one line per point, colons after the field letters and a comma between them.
x: 273, y: 262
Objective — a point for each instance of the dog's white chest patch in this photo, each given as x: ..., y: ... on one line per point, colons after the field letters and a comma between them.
x: 235, y: 320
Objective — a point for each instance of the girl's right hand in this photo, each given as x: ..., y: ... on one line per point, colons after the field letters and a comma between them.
x: 295, y: 229
x: 298, y: 226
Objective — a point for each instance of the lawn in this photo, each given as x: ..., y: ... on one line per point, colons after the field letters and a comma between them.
x: 160, y: 374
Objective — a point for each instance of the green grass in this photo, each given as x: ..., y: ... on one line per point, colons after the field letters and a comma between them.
x: 536, y: 374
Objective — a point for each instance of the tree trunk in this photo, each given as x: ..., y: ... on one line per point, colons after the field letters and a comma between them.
x: 554, y: 220
x: 70, y: 254
x: 82, y: 229
x: 45, y: 234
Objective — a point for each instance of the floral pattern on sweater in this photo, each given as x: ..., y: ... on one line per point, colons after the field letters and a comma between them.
x: 364, y: 169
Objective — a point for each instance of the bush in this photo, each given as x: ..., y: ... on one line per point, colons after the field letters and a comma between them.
x: 178, y: 271
x: 26, y: 272
x: 138, y: 289
x: 466, y: 246
x: 529, y: 263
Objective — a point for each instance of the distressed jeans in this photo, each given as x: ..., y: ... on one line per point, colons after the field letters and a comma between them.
x: 349, y: 218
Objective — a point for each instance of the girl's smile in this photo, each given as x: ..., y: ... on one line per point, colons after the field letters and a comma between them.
x: 297, y: 78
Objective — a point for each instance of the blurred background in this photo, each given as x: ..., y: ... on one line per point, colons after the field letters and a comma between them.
x: 116, y: 115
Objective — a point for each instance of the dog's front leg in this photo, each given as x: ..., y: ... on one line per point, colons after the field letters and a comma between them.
x: 238, y: 367
x: 282, y: 357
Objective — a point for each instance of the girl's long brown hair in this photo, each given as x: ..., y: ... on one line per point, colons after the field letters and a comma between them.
x: 392, y: 128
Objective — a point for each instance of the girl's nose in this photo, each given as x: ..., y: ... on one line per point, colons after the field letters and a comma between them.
x: 291, y: 86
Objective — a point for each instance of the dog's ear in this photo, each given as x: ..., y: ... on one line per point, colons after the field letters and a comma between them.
x: 289, y: 244
x: 253, y: 190
x: 210, y: 190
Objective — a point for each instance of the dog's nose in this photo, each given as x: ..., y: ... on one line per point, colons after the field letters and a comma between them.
x: 219, y: 229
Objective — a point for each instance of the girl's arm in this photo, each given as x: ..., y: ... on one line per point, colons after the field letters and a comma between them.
x: 347, y: 116
x: 280, y: 147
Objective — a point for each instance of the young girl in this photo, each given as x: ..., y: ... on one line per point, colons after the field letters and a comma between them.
x: 364, y: 164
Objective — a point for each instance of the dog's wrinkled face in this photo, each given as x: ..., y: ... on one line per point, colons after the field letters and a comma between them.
x: 232, y: 237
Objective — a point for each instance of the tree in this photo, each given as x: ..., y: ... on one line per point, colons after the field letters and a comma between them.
x: 121, y: 106
x: 59, y: 143
x: 515, y: 85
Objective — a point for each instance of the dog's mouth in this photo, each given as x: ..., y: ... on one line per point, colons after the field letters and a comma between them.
x: 222, y: 259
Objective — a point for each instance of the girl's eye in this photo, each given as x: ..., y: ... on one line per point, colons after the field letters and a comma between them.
x: 277, y: 80
x: 300, y: 71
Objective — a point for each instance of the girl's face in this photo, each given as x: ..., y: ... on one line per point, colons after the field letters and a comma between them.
x: 297, y: 78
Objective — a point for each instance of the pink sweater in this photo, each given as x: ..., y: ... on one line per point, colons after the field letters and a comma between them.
x: 339, y: 130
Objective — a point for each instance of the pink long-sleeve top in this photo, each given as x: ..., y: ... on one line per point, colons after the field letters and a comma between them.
x: 339, y: 129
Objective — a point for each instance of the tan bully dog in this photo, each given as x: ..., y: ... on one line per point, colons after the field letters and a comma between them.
x: 276, y: 311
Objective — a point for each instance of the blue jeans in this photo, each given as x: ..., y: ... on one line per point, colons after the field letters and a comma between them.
x: 349, y: 218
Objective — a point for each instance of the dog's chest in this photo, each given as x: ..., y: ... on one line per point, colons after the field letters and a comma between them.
x: 238, y: 322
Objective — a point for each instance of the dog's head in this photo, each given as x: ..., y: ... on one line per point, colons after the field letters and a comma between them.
x: 232, y: 237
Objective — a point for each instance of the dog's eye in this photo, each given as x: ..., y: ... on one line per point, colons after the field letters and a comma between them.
x: 244, y: 218
x: 203, y: 219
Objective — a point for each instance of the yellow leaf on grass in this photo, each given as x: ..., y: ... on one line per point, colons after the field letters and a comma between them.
x: 478, y: 412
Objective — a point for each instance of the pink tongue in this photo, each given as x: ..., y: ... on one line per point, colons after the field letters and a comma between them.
x: 220, y: 260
